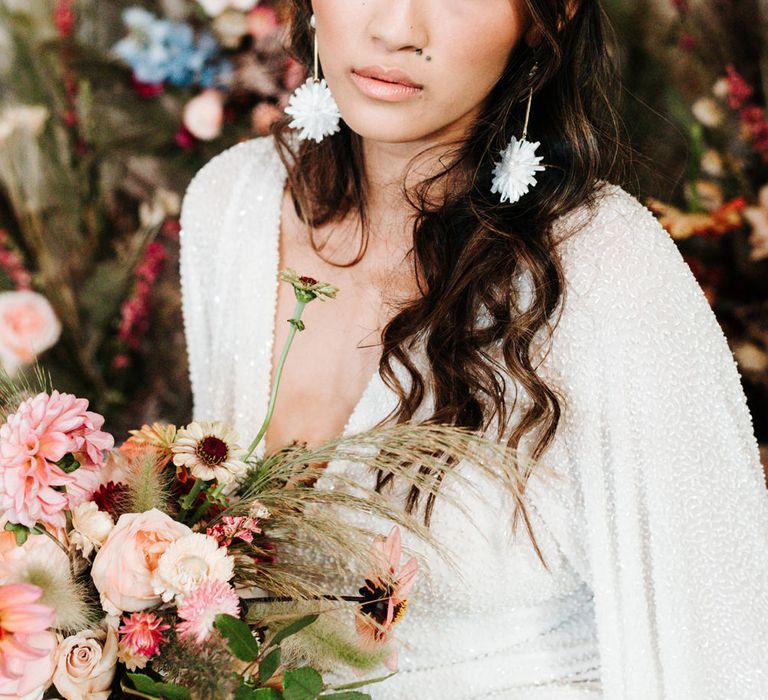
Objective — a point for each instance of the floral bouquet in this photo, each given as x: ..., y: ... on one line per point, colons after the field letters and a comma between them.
x: 176, y: 566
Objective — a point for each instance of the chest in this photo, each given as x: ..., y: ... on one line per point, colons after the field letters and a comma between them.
x: 333, y: 361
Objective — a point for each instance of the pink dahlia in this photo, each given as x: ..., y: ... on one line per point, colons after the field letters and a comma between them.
x: 21, y: 617
x: 142, y: 633
x: 43, y: 430
x: 198, y: 610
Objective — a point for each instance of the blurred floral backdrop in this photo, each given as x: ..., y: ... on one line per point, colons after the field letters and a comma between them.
x: 108, y: 108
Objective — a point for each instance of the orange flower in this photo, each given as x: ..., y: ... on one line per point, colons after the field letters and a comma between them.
x: 385, y: 591
x: 682, y: 225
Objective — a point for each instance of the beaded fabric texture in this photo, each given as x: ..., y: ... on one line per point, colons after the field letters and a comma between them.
x: 656, y: 529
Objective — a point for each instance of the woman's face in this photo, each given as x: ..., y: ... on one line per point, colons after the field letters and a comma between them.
x: 386, y: 90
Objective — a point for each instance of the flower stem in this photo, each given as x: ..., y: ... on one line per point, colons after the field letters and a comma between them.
x: 296, y: 325
x: 289, y: 599
x: 189, y: 500
x: 56, y: 540
x: 206, y: 504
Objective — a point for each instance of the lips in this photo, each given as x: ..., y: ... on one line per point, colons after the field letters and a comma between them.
x: 388, y: 75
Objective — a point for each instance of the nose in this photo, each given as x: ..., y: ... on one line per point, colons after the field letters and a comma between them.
x: 398, y: 25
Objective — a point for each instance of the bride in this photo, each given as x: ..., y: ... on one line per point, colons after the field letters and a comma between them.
x: 497, y: 283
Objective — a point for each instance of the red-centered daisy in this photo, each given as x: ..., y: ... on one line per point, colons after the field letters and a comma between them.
x: 385, y: 591
x: 210, y: 450
x: 142, y: 633
x: 198, y: 610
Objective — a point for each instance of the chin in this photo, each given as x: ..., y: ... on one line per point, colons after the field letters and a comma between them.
x: 387, y: 126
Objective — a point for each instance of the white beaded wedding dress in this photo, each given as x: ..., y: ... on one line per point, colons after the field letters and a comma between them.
x: 656, y: 527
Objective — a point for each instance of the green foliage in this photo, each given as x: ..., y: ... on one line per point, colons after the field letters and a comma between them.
x: 167, y: 691
x: 269, y: 665
x: 292, y: 628
x: 240, y: 639
x: 302, y: 684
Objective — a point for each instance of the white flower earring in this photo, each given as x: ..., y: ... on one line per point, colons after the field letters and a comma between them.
x: 312, y: 106
x: 514, y: 173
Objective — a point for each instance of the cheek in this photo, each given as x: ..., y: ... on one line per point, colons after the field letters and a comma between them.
x: 474, y: 56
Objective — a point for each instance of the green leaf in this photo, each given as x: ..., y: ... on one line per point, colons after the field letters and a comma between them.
x: 269, y: 665
x: 351, y: 695
x: 302, y: 684
x: 68, y: 463
x: 293, y: 628
x: 246, y: 693
x: 241, y: 641
x: 168, y: 691
x: 20, y: 531
x: 360, y: 684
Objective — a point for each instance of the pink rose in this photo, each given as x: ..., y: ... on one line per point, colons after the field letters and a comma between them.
x: 122, y: 570
x: 37, y: 672
x: 85, y: 664
x: 203, y: 114
x: 28, y: 326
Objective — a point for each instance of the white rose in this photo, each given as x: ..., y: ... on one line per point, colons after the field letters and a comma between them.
x: 85, y: 664
x: 91, y: 527
x: 28, y: 326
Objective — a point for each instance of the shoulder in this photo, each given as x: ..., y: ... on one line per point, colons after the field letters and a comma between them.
x: 618, y: 259
x: 214, y: 185
x: 631, y: 303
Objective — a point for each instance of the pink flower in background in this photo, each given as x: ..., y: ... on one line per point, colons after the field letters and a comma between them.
x: 262, y: 22
x: 20, y: 617
x: 295, y: 74
x: 203, y: 115
x: 739, y: 90
x: 234, y: 528
x: 142, y: 633
x: 198, y: 610
x: 28, y: 327
x: 263, y: 116
x: 134, y: 322
x: 12, y: 264
x: 756, y: 127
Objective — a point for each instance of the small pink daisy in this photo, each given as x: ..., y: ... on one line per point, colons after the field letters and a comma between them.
x: 199, y: 609
x: 142, y: 633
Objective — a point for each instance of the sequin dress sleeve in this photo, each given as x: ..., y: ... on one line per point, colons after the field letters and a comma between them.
x: 203, y: 216
x: 666, y: 513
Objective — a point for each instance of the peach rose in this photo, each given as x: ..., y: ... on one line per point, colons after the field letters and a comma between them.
x: 28, y: 326
x: 37, y: 672
x: 85, y: 664
x: 122, y: 570
x: 203, y: 114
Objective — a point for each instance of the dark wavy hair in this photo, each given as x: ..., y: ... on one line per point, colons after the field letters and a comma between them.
x: 467, y: 246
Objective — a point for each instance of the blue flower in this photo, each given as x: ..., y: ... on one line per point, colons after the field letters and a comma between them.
x: 160, y: 50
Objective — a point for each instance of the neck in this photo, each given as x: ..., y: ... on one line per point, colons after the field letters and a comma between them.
x: 391, y: 165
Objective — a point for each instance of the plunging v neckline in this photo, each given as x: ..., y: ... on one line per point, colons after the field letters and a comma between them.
x: 277, y: 239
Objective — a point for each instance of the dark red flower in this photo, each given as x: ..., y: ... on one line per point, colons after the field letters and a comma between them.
x: 108, y: 497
